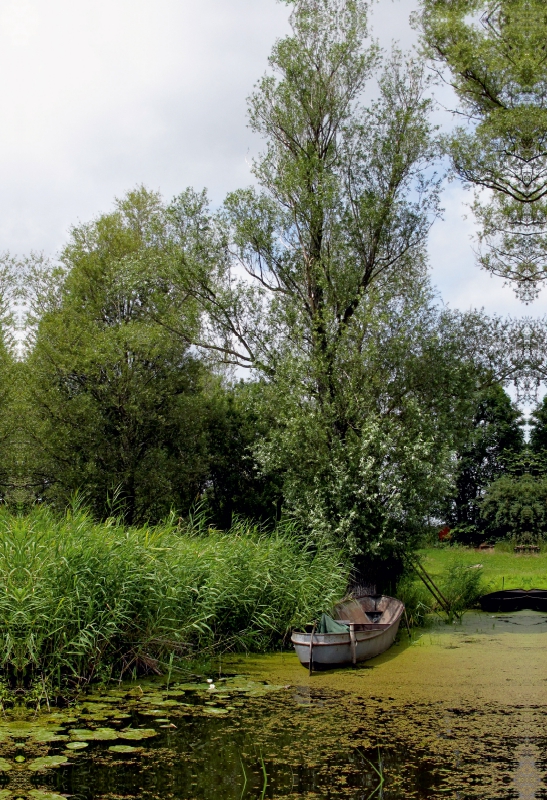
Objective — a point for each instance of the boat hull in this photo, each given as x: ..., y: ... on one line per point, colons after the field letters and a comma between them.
x: 336, y: 649
x: 515, y: 600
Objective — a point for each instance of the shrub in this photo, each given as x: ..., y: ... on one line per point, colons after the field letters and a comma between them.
x: 461, y: 585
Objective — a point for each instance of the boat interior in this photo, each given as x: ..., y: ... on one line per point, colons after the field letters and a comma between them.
x: 370, y: 612
x: 366, y: 613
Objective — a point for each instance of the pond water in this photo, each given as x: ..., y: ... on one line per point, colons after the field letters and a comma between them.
x: 458, y: 712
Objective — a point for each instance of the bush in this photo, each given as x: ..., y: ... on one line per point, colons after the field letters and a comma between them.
x: 85, y: 600
x: 419, y: 603
x: 461, y: 585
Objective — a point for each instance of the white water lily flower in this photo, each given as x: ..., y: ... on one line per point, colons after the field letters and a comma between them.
x: 209, y: 680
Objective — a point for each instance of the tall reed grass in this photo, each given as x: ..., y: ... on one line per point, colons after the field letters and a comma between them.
x: 84, y: 601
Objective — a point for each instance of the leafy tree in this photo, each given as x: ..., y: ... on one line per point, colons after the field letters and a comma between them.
x: 342, y: 213
x: 494, y: 53
x: 515, y: 505
x: 114, y: 403
x: 236, y: 484
x: 492, y: 440
x: 10, y: 375
x: 365, y: 381
x: 538, y: 430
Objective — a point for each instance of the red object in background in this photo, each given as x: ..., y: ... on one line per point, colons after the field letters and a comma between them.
x: 444, y: 533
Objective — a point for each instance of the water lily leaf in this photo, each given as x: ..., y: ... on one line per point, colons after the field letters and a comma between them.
x: 19, y: 729
x: 190, y: 687
x: 5, y: 765
x: 215, y: 711
x: 138, y: 733
x: 124, y: 748
x: 76, y: 745
x: 60, y: 716
x: 45, y: 735
x: 44, y: 762
x: 38, y: 794
x: 152, y: 699
x: 97, y: 735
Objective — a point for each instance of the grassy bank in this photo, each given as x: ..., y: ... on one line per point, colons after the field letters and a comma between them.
x: 500, y: 567
x: 84, y: 601
x: 464, y: 574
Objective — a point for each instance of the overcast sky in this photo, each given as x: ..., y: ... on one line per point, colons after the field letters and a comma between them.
x: 98, y: 96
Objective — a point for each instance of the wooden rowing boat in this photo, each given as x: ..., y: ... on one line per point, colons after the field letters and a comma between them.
x: 367, y: 627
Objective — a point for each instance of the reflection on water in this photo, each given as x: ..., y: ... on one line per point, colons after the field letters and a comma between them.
x: 459, y: 713
x: 527, y: 778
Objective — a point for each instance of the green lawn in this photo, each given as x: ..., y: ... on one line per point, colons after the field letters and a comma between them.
x: 501, y: 568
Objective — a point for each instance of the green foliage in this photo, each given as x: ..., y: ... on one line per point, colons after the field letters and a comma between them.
x: 494, y: 437
x: 83, y: 600
x: 515, y: 505
x: 111, y: 401
x: 461, y: 585
x: 494, y: 54
x: 360, y: 376
x: 538, y: 432
x: 419, y: 603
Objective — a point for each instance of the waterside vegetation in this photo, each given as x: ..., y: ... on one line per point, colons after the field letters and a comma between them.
x: 84, y: 601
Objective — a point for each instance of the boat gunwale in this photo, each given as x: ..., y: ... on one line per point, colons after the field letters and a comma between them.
x: 361, y: 635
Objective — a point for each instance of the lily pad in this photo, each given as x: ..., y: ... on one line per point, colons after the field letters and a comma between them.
x: 190, y: 687
x: 5, y: 765
x: 97, y: 735
x: 44, y: 762
x: 43, y: 735
x: 101, y: 699
x: 135, y: 734
x: 217, y: 712
x: 124, y: 748
x: 76, y: 745
x: 38, y: 794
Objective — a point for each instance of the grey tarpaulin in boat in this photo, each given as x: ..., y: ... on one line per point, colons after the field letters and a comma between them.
x: 329, y: 625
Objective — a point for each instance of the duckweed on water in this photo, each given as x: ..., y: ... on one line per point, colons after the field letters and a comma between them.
x: 439, y: 715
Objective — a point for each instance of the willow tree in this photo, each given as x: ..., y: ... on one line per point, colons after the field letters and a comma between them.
x: 493, y: 55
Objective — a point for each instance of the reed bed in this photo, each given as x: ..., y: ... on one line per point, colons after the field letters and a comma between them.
x: 84, y: 601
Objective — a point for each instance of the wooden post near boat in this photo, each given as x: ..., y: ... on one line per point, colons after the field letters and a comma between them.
x: 311, y: 648
x: 353, y: 643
